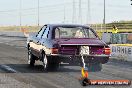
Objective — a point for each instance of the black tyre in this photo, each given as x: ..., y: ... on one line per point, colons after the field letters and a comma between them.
x: 45, y: 62
x: 55, y: 63
x: 48, y: 63
x: 31, y: 58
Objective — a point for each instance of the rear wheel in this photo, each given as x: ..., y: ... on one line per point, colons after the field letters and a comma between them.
x: 31, y: 58
x: 49, y: 63
x: 55, y: 63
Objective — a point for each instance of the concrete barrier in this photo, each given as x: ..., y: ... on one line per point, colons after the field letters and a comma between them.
x: 118, y: 38
x: 121, y: 51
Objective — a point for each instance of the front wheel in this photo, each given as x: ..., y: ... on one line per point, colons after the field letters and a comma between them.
x: 31, y: 60
x: 45, y: 62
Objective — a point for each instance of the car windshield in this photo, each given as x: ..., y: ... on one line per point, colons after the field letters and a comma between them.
x: 75, y: 32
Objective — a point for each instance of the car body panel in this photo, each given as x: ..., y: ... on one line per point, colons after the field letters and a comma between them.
x: 37, y: 48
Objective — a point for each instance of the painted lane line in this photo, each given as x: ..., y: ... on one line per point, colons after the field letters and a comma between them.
x: 8, y: 68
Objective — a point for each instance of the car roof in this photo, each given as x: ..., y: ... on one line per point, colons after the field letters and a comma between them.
x: 67, y: 25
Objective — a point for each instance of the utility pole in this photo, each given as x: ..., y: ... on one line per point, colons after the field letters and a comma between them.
x: 104, y: 16
x: 64, y: 14
x: 20, y: 13
x: 88, y: 13
x: 80, y: 12
x: 74, y: 12
x: 38, y: 15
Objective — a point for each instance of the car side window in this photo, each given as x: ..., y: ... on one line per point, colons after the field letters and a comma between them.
x: 91, y: 34
x: 40, y: 33
x: 46, y: 33
x: 57, y: 33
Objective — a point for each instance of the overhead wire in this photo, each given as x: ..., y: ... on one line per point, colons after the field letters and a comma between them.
x: 44, y: 7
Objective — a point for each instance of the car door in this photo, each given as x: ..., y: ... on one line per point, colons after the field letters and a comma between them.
x: 36, y: 42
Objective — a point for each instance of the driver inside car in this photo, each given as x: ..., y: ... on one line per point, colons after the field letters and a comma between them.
x: 79, y: 34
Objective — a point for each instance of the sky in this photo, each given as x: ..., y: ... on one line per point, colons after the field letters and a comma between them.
x: 61, y: 11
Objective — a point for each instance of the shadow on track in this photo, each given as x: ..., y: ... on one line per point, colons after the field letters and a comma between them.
x: 24, y: 68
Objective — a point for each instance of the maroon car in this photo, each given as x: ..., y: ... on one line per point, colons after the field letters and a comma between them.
x: 63, y: 43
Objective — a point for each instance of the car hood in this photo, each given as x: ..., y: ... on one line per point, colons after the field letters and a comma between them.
x: 80, y: 42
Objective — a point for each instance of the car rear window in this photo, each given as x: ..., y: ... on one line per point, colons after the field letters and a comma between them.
x: 73, y: 32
